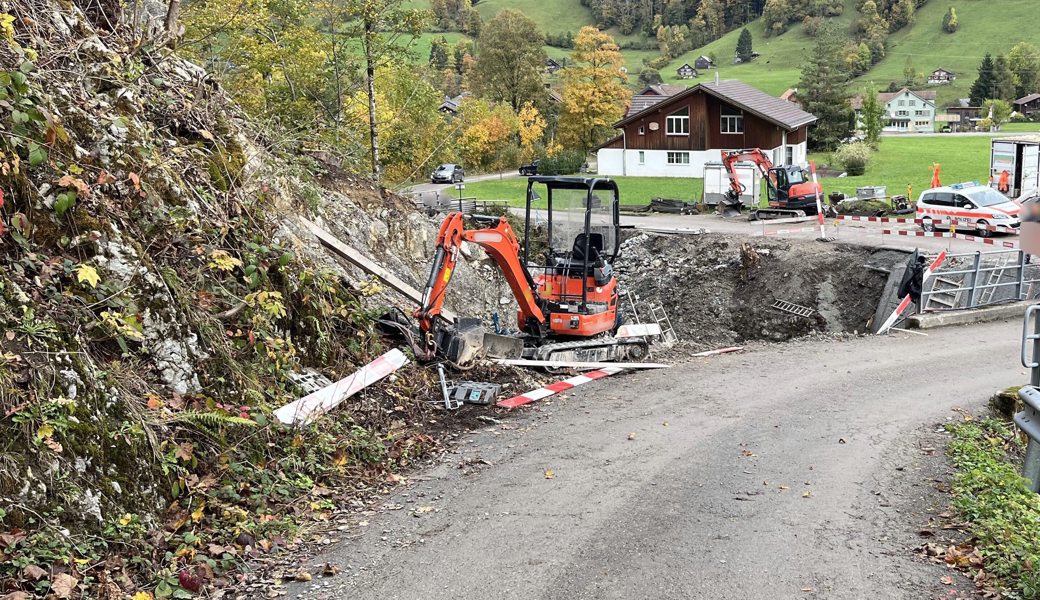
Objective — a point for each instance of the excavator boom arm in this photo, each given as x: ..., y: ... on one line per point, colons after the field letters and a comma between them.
x: 753, y: 155
x: 501, y: 245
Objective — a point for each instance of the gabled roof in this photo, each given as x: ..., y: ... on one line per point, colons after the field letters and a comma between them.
x: 641, y: 102
x: 704, y: 57
x: 741, y: 95
x: 662, y: 89
x: 685, y: 66
x: 1027, y: 99
x: 942, y: 70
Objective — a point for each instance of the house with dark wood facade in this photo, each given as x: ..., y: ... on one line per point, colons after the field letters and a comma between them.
x: 676, y: 135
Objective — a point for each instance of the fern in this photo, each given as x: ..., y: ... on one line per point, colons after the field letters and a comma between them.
x: 210, y: 419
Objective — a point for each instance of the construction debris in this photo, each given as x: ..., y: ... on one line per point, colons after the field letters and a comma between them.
x: 308, y: 408
x: 794, y: 309
x: 719, y: 295
x: 719, y: 351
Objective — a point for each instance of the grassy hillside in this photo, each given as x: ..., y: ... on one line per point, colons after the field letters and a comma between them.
x: 778, y: 67
x: 984, y: 27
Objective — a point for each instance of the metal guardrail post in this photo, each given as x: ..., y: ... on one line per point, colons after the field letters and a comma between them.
x: 1028, y: 420
x: 975, y: 280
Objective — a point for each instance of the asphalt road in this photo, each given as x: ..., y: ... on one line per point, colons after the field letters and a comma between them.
x: 800, y: 470
x: 449, y: 188
x: 855, y: 232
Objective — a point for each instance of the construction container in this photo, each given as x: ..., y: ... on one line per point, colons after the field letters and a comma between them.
x: 1020, y: 157
x: 716, y: 183
x: 872, y: 192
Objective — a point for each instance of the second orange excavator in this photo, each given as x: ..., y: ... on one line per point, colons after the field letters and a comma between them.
x: 790, y: 191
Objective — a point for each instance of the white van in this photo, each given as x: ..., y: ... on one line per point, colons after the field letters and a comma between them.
x: 969, y: 205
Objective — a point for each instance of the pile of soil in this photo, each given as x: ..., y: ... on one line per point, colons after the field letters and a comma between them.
x: 717, y: 293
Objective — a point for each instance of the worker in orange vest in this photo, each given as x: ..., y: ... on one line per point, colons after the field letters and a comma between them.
x: 1002, y: 184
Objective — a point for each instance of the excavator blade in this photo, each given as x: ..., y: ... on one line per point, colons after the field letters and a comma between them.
x: 503, y: 346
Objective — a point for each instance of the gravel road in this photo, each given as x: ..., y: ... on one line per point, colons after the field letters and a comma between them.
x: 799, y: 470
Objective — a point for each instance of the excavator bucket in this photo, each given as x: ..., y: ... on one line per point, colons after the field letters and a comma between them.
x: 469, y: 340
x: 729, y: 210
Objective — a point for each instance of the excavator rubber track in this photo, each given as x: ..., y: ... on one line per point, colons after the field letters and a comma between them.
x: 765, y: 214
x: 603, y: 349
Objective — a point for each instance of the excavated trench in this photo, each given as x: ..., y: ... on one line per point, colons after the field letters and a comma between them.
x: 718, y: 290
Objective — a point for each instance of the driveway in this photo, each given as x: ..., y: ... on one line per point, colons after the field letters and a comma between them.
x: 424, y: 189
x: 801, y: 470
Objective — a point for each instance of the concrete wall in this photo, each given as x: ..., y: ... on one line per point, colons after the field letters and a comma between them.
x: 616, y: 162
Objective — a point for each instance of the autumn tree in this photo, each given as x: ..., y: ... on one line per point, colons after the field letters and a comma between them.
x: 949, y: 22
x: 488, y: 129
x: 903, y: 13
x: 530, y: 129
x: 378, y: 25
x: 511, y: 60
x: 439, y: 53
x: 594, y: 91
x: 823, y: 90
x: 744, y: 51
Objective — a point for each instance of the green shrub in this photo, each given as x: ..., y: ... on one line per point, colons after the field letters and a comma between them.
x: 853, y: 157
x: 567, y: 162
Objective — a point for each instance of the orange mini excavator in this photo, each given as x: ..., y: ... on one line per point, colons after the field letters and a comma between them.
x: 790, y: 192
x: 567, y: 295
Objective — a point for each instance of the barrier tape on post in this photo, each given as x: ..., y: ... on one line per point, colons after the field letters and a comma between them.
x: 891, y: 320
x: 556, y: 388
x: 819, y: 202
x: 911, y: 233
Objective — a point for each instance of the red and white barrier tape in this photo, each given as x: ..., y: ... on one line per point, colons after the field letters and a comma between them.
x: 965, y: 226
x: 891, y: 320
x: 911, y: 233
x: 556, y: 388
x: 947, y: 234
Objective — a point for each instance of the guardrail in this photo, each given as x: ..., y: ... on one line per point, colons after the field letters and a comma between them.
x: 984, y: 282
x: 434, y: 202
x: 1028, y: 419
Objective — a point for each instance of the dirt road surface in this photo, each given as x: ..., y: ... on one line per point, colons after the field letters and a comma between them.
x: 801, y: 470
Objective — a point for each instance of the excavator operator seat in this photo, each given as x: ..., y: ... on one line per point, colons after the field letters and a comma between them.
x: 595, y: 247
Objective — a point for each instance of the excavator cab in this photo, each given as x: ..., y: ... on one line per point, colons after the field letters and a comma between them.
x: 571, y: 239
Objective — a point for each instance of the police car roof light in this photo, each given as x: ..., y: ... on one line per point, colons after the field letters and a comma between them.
x: 966, y: 184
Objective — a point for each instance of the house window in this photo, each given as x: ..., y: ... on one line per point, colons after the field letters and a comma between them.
x: 641, y: 130
x: 920, y: 113
x: 732, y: 120
x: 902, y: 113
x: 678, y: 123
x: 789, y: 156
x: 678, y: 158
x: 913, y: 103
x: 902, y: 103
x: 642, y: 157
x: 921, y: 123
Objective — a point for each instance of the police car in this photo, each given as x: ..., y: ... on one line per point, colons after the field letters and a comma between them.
x: 968, y: 205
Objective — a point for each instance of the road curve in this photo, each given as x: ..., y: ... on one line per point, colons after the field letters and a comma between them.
x: 786, y: 471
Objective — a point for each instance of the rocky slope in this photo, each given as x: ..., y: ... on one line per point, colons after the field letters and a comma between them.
x: 157, y: 289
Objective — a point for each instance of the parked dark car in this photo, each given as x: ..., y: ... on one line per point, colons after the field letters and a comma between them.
x: 531, y: 169
x: 447, y: 174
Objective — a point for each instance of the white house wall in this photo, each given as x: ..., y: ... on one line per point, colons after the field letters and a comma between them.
x: 616, y: 162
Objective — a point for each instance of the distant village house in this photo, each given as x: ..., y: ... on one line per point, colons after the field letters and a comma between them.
x: 1028, y: 105
x: 552, y: 65
x: 941, y: 76
x: 686, y: 72
x: 906, y: 111
x: 703, y: 62
x: 675, y: 135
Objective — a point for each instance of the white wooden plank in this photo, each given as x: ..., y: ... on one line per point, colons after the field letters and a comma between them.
x: 563, y: 364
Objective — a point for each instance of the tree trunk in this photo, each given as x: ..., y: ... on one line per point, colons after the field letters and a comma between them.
x: 370, y: 76
x: 172, y: 14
